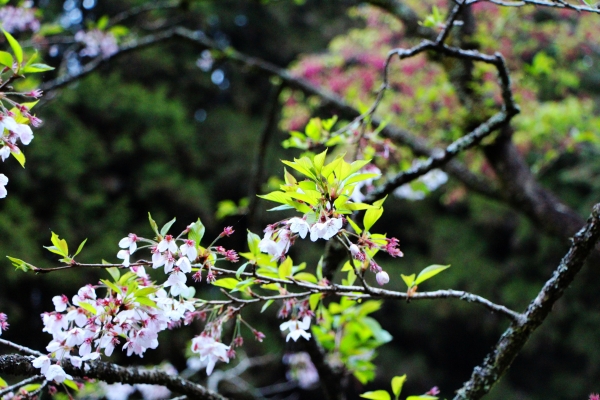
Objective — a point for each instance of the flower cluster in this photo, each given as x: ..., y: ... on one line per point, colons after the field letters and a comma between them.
x: 3, y: 323
x: 133, y: 311
x: 177, y: 260
x: 97, y: 43
x: 18, y: 19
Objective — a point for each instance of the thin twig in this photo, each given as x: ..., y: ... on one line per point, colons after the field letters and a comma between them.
x: 22, y: 383
x: 22, y: 349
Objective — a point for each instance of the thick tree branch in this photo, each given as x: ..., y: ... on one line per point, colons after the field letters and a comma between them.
x: 14, y: 364
x: 515, y: 337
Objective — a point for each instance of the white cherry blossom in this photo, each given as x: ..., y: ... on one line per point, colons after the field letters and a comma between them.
x: 299, y: 226
x: 124, y: 255
x: 296, y: 328
x: 208, y: 348
x: 129, y: 242
x: 325, y: 230
x: 57, y: 374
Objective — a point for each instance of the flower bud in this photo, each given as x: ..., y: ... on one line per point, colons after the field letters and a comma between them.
x: 382, y: 278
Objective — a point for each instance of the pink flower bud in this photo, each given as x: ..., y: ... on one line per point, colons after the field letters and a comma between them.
x: 382, y: 278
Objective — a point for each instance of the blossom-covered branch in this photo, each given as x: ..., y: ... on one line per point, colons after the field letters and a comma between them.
x: 21, y: 365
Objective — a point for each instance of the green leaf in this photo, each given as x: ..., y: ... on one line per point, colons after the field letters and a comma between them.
x: 306, y: 276
x: 422, y: 397
x: 165, y: 229
x: 314, y: 300
x: 31, y: 387
x: 87, y: 307
x: 80, y: 247
x: 266, y: 305
x: 102, y: 22
x: 145, y: 291
x: 60, y: 244
x: 354, y: 225
x: 430, y: 272
x: 408, y: 279
x: 114, y: 272
x: 227, y: 283
x: 376, y: 395
x: 240, y: 270
x: 3, y: 383
x: 196, y: 232
x: 397, y: 383
x: 153, y: 224
x: 144, y: 301
x: 313, y: 129
x: 71, y: 384
x: 6, y: 59
x: 15, y: 46
x: 20, y: 157
x: 285, y: 269
x: 253, y: 240
x: 19, y: 264
x: 320, y: 269
x: 319, y: 161
x: 373, y: 214
x: 111, y: 285
x: 37, y: 67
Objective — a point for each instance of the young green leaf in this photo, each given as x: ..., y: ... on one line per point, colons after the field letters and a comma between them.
x: 114, y: 273
x: 376, y: 395
x: 87, y: 307
x: 165, y: 229
x: 19, y: 264
x: 266, y: 305
x: 397, y: 383
x: 31, y: 387
x: 80, y: 247
x: 408, y: 279
x: 422, y: 397
x: 196, y: 232
x: 240, y: 270
x: 430, y: 272
x: 373, y: 214
x: 16, y: 48
x: 153, y: 225
x: 285, y: 269
x: 6, y: 59
x: 59, y: 244
x: 227, y: 283
x: 20, y: 157
x: 35, y: 68
x: 253, y: 240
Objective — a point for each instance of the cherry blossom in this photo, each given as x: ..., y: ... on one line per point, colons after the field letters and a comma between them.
x: 299, y: 226
x: 3, y: 182
x: 129, y: 242
x: 168, y: 243
x: 325, y: 230
x: 177, y: 283
x: 60, y: 303
x: 57, y: 374
x: 208, y: 348
x: 189, y: 249
x: 296, y: 329
x: 124, y: 255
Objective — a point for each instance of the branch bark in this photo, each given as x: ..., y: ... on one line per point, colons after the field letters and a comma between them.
x: 14, y: 364
x: 514, y: 338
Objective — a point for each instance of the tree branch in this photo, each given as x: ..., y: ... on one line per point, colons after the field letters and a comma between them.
x: 14, y: 364
x: 514, y: 338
